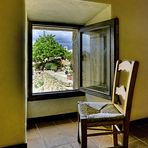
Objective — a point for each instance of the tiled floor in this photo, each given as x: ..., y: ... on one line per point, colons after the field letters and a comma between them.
x: 63, y: 134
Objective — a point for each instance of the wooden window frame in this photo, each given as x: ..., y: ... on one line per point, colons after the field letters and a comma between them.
x: 48, y: 95
x: 114, y: 55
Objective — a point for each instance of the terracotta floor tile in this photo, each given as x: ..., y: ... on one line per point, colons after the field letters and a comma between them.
x: 137, y: 144
x: 75, y: 145
x: 35, y: 143
x: 47, y: 128
x: 131, y: 138
x: 63, y: 134
x: 54, y: 138
x: 90, y: 144
x: 64, y: 146
x: 145, y: 140
x: 68, y: 128
x: 32, y: 133
x: 102, y: 141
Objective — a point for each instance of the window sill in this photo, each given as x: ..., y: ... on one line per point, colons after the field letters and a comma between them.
x: 55, y: 95
x: 96, y: 93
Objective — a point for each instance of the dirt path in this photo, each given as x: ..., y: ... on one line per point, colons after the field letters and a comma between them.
x: 45, y: 82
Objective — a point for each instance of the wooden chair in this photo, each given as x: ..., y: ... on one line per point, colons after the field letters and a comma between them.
x: 116, y: 113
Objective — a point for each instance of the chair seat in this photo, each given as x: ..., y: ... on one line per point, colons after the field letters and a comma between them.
x: 98, y: 111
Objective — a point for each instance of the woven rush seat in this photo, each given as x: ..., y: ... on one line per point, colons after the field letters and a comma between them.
x: 98, y: 111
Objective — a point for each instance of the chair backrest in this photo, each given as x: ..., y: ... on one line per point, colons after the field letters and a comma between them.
x: 123, y: 86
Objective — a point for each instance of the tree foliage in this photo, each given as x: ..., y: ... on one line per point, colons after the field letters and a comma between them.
x: 46, y: 48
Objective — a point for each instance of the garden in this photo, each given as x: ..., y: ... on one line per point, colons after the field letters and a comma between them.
x: 52, y: 65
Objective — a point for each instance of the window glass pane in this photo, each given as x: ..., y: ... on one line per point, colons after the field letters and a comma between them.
x: 96, y: 59
x: 52, y: 60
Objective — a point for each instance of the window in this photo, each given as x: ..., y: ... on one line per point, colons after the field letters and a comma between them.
x: 99, y: 50
x: 66, y: 61
x: 53, y: 61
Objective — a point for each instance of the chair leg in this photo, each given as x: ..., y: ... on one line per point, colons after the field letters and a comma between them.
x: 125, y: 135
x: 83, y: 133
x: 115, y: 136
x: 78, y: 136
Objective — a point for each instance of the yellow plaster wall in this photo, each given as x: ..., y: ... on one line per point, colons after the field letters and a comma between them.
x: 133, y: 44
x: 133, y: 19
x: 101, y: 16
x: 53, y: 107
x: 12, y: 95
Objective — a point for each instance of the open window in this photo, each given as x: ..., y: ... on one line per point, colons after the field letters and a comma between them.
x: 71, y: 60
x: 99, y: 51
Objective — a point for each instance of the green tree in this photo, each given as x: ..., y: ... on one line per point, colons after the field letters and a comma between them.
x: 46, y: 48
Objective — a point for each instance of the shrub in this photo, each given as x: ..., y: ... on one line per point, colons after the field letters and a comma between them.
x: 48, y: 66
x: 38, y: 66
x: 51, y: 66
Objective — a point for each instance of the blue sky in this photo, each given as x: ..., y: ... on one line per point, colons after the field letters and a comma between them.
x: 62, y: 37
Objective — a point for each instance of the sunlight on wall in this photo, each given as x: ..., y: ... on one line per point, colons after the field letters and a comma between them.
x: 102, y: 16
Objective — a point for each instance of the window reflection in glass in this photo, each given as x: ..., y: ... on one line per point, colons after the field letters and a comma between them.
x: 96, y: 59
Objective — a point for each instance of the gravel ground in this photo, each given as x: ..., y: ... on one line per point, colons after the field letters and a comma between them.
x: 45, y: 81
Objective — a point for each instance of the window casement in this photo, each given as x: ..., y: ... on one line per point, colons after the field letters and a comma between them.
x: 86, y: 66
x: 99, y: 51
